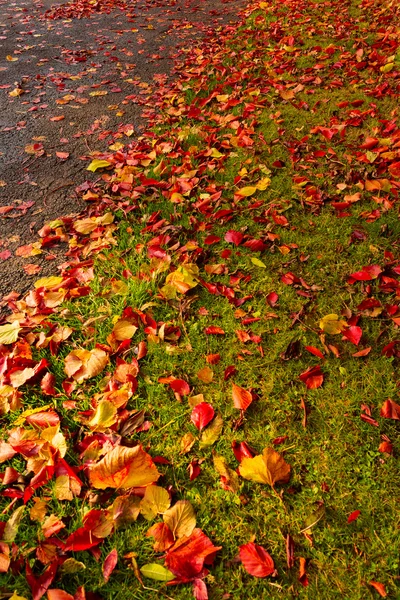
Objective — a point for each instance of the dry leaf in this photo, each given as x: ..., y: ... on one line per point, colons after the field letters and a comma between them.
x: 270, y: 467
x: 123, y: 468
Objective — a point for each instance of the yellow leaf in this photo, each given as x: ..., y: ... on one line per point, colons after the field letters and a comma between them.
x: 247, y: 191
x: 176, y: 198
x: 181, y: 519
x: 9, y: 333
x: 332, y: 324
x: 155, y: 502
x: 15, y: 92
x: 55, y: 438
x: 48, y: 282
x: 30, y: 411
x: 123, y: 468
x: 263, y: 183
x: 11, y: 58
x: 215, y: 153
x: 11, y: 528
x: 386, y: 68
x: 124, y: 330
x: 268, y: 467
x: 38, y: 511
x: 187, y: 443
x: 97, y: 163
x: 205, y: 375
x: 98, y: 93
x: 104, y: 417
x: 230, y: 476
x: 211, y: 433
x: 258, y: 263
x: 16, y: 597
x: 116, y: 146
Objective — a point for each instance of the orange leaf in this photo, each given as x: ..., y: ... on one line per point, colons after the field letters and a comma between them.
x: 241, y: 397
x: 123, y: 468
x: 83, y: 364
x: 380, y: 588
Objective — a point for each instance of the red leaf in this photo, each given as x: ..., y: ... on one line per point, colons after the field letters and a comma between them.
x: 380, y: 588
x: 256, y: 560
x: 40, y: 584
x: 369, y: 143
x: 211, y: 239
x: 81, y: 539
x: 180, y: 386
x: 289, y: 551
x: 5, y: 254
x: 202, y: 414
x: 312, y: 377
x: 242, y: 450
x: 47, y: 384
x: 200, y: 590
x: 194, y: 469
x: 366, y: 274
x: 109, y: 564
x: 229, y: 372
x: 390, y: 410
x: 213, y: 359
x: 241, y: 397
x: 354, y: 516
x: 272, y: 299
x: 353, y: 334
x: 394, y: 169
x: 386, y: 447
x: 315, y: 351
x: 213, y: 330
x: 43, y: 419
x: 187, y: 557
x: 56, y: 594
x: 235, y: 237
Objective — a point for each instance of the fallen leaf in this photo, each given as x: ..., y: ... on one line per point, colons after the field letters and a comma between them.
x: 83, y: 364
x: 181, y: 519
x: 241, y: 398
x: 332, y: 324
x: 123, y: 468
x: 156, y: 572
x: 379, y: 587
x: 268, y: 467
x: 110, y: 562
x: 202, y: 414
x: 256, y: 560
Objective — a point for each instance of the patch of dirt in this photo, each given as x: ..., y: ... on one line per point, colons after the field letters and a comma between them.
x: 69, y: 88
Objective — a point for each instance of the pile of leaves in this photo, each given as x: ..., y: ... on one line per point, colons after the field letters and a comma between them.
x: 206, y: 315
